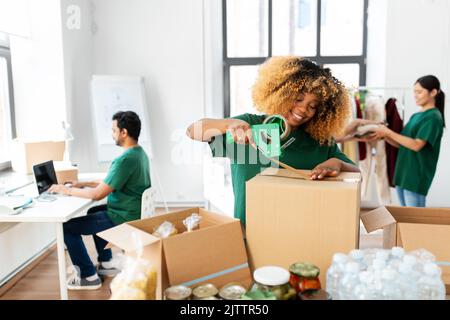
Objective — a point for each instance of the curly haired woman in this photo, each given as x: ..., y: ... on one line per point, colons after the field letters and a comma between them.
x: 316, y: 107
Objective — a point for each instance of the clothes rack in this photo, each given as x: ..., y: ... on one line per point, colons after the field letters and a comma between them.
x: 402, y: 91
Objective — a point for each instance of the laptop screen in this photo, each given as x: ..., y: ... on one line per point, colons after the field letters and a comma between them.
x: 45, y: 176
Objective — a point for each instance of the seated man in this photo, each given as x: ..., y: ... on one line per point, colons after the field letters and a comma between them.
x: 127, y: 179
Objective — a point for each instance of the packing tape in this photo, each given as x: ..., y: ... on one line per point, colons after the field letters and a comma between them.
x: 215, y: 275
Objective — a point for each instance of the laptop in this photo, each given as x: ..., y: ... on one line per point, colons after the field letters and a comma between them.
x: 45, y: 176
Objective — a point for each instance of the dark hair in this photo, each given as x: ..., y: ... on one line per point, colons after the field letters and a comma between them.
x: 430, y: 83
x: 128, y: 120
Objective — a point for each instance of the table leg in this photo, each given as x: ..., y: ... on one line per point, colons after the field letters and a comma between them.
x: 61, y: 261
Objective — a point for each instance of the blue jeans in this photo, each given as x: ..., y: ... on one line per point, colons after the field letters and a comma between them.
x: 410, y: 199
x: 95, y: 221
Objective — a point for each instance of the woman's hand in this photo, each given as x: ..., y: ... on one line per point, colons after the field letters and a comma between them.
x: 368, y: 138
x: 59, y: 188
x: 354, y: 124
x: 330, y: 168
x: 381, y: 132
x: 241, y: 132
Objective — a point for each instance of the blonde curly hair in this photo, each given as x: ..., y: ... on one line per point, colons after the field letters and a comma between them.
x: 282, y: 79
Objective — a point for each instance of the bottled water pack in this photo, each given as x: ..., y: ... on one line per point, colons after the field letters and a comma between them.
x: 378, y: 274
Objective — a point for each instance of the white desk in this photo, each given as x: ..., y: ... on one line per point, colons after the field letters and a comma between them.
x: 59, y: 211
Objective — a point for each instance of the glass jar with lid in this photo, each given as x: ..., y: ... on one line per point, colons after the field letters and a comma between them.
x: 304, y: 277
x: 274, y: 280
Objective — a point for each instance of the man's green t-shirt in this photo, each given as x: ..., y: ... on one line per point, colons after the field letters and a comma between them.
x: 414, y: 171
x: 304, y: 153
x: 129, y: 176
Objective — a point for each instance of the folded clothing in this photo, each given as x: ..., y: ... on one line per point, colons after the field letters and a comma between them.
x: 365, y: 130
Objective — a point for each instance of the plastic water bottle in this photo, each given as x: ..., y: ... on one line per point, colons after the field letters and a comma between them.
x: 382, y: 255
x: 358, y: 256
x: 406, y: 282
x: 430, y: 286
x: 423, y: 256
x: 364, y: 290
x: 376, y: 269
x: 390, y: 290
x: 349, y: 281
x: 335, y: 273
x: 397, y: 254
x: 410, y: 259
x: 369, y: 256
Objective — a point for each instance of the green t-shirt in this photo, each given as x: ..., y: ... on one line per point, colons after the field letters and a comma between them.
x: 304, y: 153
x: 129, y: 176
x: 414, y: 171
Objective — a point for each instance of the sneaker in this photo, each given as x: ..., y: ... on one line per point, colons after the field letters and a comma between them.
x: 107, y: 272
x: 77, y: 283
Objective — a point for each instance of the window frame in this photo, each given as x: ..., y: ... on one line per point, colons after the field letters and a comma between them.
x: 5, y: 52
x: 228, y: 62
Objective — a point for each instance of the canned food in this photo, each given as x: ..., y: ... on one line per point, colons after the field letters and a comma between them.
x: 314, y: 295
x: 178, y: 293
x: 204, y: 291
x: 209, y: 298
x: 304, y: 277
x: 232, y: 291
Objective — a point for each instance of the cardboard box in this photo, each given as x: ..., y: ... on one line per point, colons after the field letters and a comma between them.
x: 65, y: 172
x: 213, y: 254
x: 294, y: 220
x: 414, y: 228
x: 26, y: 154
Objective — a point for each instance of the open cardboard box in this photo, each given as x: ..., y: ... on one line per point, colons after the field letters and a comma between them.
x: 215, y: 253
x: 414, y: 228
x: 290, y: 219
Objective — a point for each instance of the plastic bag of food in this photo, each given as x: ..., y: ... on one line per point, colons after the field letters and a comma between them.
x: 165, y: 230
x: 128, y: 293
x: 137, y: 280
x: 192, y: 222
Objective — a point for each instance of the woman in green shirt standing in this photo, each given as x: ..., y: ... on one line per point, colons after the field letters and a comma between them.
x: 419, y: 143
x: 314, y: 103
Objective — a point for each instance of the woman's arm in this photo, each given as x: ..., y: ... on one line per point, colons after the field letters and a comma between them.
x: 392, y: 142
x: 204, y: 130
x: 398, y: 139
x: 332, y: 168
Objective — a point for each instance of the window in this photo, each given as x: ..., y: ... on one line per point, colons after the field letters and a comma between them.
x: 333, y: 33
x: 7, y: 126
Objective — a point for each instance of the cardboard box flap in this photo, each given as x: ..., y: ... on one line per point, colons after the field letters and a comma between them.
x: 191, y: 259
x: 343, y: 176
x: 122, y: 237
x: 377, y: 219
x: 420, y: 215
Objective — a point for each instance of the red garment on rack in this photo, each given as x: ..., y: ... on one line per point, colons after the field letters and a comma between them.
x: 361, y: 145
x: 395, y: 123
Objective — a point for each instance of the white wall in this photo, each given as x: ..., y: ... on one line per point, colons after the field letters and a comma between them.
x: 163, y: 41
x: 78, y: 64
x: 417, y: 43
